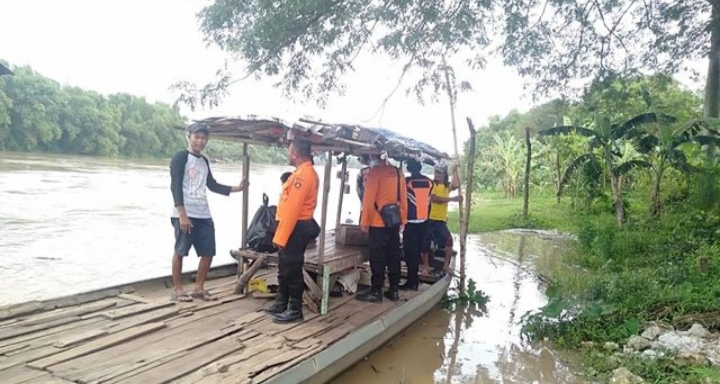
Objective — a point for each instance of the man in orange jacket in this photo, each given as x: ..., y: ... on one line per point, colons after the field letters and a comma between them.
x: 384, y: 185
x: 296, y: 227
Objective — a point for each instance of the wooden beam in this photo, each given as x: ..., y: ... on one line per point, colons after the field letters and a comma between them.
x: 323, y: 219
x: 343, y: 182
x: 246, y: 195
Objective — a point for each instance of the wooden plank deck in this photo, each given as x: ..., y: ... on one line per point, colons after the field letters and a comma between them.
x: 143, y: 338
x: 337, y: 256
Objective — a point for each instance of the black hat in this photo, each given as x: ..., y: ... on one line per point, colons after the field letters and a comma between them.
x: 197, y: 127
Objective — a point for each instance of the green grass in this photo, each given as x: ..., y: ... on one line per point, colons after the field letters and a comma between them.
x: 494, y: 212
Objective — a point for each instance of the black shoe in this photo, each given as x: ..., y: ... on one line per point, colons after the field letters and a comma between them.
x: 293, y: 313
x: 279, y: 306
x: 392, y: 294
x: 371, y: 296
x: 409, y: 286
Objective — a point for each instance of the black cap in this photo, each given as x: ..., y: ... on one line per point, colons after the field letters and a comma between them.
x: 198, y: 128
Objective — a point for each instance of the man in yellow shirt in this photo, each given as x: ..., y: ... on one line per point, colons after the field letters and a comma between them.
x: 437, y: 229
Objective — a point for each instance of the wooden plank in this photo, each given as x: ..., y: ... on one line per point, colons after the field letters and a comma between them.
x: 20, y: 374
x: 13, y: 348
x: 138, y: 355
x: 304, y: 354
x: 97, y: 345
x: 154, y: 316
x: 81, y: 338
x: 308, y: 330
x: 229, y: 366
x: 8, y: 333
x: 22, y: 309
x: 48, y: 379
x: 135, y: 298
x: 47, y: 337
x: 188, y: 363
x: 311, y: 304
x: 137, y: 309
x: 315, y: 291
x: 74, y: 312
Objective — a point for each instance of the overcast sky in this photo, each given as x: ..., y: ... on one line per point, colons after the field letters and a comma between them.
x: 143, y: 47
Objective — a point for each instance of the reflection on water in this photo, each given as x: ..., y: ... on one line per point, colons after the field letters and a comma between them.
x: 471, y: 345
x: 71, y: 224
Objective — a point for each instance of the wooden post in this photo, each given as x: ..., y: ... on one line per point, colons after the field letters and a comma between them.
x: 526, y: 184
x: 323, y: 218
x: 323, y: 229
x: 468, y: 202
x: 245, y: 195
x: 343, y: 181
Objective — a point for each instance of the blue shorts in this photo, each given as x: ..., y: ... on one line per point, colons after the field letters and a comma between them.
x: 201, y: 237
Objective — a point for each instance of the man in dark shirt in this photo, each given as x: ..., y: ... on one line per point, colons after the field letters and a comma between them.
x: 190, y: 177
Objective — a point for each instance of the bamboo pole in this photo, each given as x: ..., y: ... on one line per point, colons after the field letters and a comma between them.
x: 462, y: 219
x: 468, y: 201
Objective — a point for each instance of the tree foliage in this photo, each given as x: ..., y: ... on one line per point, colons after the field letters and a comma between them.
x: 311, y: 44
x: 38, y: 114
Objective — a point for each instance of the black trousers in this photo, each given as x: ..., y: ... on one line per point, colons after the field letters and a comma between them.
x: 291, y: 260
x: 384, y: 253
x: 413, y: 237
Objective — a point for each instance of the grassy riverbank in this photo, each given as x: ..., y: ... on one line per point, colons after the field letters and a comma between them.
x: 618, y: 280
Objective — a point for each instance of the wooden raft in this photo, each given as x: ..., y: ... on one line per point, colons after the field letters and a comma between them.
x: 123, y: 336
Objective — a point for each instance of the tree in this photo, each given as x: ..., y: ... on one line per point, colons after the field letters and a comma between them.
x: 603, y: 152
x: 555, y: 42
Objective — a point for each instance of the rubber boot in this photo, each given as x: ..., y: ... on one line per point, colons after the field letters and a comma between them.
x: 279, y: 306
x: 374, y: 295
x: 392, y: 294
x: 293, y: 313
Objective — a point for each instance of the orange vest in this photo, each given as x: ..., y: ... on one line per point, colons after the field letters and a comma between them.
x: 297, y: 201
x: 418, y: 194
x: 381, y: 188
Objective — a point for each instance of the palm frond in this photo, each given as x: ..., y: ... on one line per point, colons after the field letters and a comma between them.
x: 678, y: 160
x: 628, y: 166
x: 575, y: 164
x: 707, y: 140
x: 566, y: 129
x: 648, y: 143
x: 629, y: 128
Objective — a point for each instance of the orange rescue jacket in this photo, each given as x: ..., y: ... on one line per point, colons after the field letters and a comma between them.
x: 381, y: 188
x: 297, y: 201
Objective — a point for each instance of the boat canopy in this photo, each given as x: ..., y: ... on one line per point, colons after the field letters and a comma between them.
x: 338, y: 138
x: 5, y: 70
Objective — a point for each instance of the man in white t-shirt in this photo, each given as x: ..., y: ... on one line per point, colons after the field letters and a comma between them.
x: 190, y: 178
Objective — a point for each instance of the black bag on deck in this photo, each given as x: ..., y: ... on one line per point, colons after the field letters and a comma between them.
x: 262, y: 228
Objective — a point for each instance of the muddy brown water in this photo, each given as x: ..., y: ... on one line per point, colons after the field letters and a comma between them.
x: 71, y: 224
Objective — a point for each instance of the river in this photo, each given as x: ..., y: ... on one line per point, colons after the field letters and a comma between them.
x: 70, y: 224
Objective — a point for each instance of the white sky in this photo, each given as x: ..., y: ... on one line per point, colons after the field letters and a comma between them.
x: 143, y: 47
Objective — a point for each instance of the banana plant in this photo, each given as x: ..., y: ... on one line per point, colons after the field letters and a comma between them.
x: 662, y: 141
x: 603, y: 152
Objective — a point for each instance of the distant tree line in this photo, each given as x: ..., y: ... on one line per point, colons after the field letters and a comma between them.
x: 37, y: 114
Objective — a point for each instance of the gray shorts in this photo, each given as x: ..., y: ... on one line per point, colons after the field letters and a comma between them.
x: 201, y: 237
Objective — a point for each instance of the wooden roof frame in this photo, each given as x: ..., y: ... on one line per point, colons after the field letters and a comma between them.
x: 335, y: 138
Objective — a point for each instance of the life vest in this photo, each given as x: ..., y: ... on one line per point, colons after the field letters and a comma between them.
x: 418, y: 193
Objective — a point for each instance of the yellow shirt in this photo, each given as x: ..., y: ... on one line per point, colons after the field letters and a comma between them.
x: 438, y: 211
